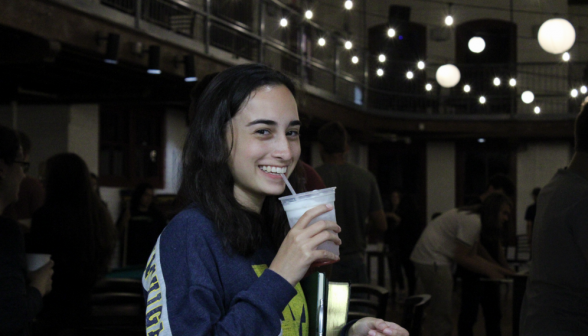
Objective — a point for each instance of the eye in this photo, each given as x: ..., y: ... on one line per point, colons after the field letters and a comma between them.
x: 293, y: 133
x: 263, y: 131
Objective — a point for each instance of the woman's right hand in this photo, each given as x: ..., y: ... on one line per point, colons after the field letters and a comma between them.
x: 41, y: 279
x: 298, y: 250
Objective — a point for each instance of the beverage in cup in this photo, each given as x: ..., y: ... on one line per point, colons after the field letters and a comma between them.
x: 37, y: 260
x: 297, y: 205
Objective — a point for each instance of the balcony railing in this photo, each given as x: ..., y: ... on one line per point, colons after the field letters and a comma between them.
x: 251, y: 30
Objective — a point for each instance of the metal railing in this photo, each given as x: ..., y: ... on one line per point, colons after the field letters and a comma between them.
x: 256, y: 35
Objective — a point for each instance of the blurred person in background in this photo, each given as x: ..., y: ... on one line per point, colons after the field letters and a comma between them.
x: 31, y: 195
x: 21, y: 292
x: 139, y: 226
x: 76, y: 229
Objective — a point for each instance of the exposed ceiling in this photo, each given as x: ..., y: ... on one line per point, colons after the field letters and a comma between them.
x: 34, y: 70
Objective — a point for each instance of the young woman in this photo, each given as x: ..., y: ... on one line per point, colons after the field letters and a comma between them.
x: 229, y: 264
x: 76, y: 229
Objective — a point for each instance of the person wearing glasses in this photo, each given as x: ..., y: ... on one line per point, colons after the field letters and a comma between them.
x: 21, y: 292
x: 31, y: 195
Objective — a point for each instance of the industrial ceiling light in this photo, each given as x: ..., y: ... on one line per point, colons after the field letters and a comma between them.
x: 112, y: 43
x: 154, y: 56
x: 189, y: 68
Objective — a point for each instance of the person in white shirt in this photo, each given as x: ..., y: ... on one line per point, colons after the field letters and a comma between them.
x: 453, y: 238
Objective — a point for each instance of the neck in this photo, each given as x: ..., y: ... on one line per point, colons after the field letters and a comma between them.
x: 249, y: 201
x: 336, y: 158
x: 579, y: 164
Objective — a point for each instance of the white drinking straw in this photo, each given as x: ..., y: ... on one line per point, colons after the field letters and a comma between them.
x: 288, y: 184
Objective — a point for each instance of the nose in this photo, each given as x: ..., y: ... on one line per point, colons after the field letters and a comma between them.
x: 283, y: 148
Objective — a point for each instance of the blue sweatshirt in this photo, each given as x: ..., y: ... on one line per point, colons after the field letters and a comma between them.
x: 194, y: 287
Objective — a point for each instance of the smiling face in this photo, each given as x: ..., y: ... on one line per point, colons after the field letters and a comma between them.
x: 265, y: 142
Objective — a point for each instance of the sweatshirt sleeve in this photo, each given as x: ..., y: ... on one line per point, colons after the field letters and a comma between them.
x: 19, y: 303
x: 184, y: 290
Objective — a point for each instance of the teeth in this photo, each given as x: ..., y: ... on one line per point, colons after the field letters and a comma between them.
x: 273, y: 169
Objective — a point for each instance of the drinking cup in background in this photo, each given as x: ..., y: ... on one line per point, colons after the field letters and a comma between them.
x: 37, y: 260
x: 297, y: 205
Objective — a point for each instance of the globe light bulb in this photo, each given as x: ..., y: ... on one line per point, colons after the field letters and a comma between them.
x: 448, y: 20
x: 496, y: 81
x: 527, y: 97
x: 354, y: 59
x: 283, y: 22
x: 382, y: 58
x: 322, y: 42
x: 482, y: 100
x: 537, y: 110
x: 467, y: 88
x: 428, y: 87
x: 556, y: 36
x: 308, y: 14
x: 477, y: 44
x: 421, y: 65
x: 565, y: 56
x: 391, y: 32
x: 512, y: 82
x: 348, y: 4
x: 409, y: 75
x: 448, y: 75
x: 348, y: 45
x: 583, y: 89
x: 380, y: 72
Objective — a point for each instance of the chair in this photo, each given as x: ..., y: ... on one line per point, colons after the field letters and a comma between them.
x: 414, y: 308
x: 362, y: 305
x: 117, y: 308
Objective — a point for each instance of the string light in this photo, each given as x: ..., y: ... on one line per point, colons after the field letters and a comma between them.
x: 348, y: 45
x: 391, y: 32
x: 409, y: 75
x: 421, y: 65
x: 512, y: 82
x: 574, y: 93
x: 308, y: 14
x: 283, y: 22
x: 380, y: 72
x: 496, y: 81
x: 467, y: 88
x: 382, y: 58
x: 482, y: 100
x: 354, y: 59
x: 448, y: 20
x: 322, y: 41
x: 348, y: 4
x: 481, y: 140
x: 583, y: 89
x: 537, y: 110
x: 565, y: 56
x: 428, y: 87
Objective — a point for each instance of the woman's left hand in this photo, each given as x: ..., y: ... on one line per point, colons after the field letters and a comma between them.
x: 369, y: 326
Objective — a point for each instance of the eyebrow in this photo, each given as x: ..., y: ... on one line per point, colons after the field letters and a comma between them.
x: 272, y: 123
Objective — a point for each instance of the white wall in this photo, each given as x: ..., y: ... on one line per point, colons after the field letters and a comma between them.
x: 440, y: 177
x: 83, y: 132
x: 176, y: 130
x: 537, y: 162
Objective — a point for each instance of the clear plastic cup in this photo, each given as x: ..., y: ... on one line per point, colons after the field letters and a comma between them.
x: 297, y: 205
